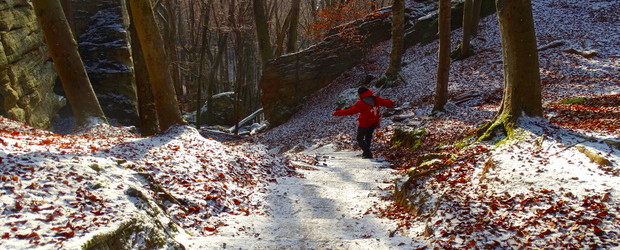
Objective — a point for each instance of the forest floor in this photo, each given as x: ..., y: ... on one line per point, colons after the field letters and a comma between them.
x: 542, y: 190
x: 325, y: 206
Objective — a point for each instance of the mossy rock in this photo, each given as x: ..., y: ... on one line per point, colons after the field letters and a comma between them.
x: 408, y: 138
x: 133, y: 234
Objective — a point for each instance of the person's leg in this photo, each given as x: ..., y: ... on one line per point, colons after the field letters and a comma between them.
x: 368, y: 140
x: 362, y: 139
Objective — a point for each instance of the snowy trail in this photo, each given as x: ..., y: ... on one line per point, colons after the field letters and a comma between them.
x: 326, y: 209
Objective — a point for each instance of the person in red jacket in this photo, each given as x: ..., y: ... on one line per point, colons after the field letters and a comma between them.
x: 368, y: 108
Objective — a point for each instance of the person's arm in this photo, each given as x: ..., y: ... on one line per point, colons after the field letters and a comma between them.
x: 384, y: 102
x: 348, y: 111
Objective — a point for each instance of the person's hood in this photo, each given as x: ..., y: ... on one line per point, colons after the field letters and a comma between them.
x: 366, y: 93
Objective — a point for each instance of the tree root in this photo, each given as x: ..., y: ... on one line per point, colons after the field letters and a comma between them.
x: 161, y: 192
x: 503, y: 123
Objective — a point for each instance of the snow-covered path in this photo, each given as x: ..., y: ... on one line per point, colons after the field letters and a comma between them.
x: 326, y: 209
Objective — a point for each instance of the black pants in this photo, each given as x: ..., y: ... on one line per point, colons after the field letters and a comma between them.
x: 364, y: 139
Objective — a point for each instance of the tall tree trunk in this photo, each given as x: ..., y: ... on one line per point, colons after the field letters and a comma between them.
x: 156, y: 63
x: 281, y: 35
x: 443, y: 66
x: 475, y: 17
x: 64, y: 52
x: 398, y: 39
x: 68, y: 10
x: 468, y: 12
x: 522, y: 91
x: 291, y: 45
x: 262, y: 30
x: 201, y: 66
x: 149, y: 124
x: 221, y: 47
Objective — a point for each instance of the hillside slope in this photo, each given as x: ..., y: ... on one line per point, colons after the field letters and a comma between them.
x: 548, y: 188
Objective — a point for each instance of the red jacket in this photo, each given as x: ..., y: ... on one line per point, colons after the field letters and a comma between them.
x: 368, y: 107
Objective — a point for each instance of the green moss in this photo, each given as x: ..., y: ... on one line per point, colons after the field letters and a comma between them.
x: 504, y: 122
x: 411, y: 139
x: 129, y: 235
x: 573, y: 100
x: 465, y: 142
x: 97, y: 186
x: 95, y: 167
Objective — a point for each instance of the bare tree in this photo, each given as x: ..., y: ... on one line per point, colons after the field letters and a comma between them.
x: 522, y: 91
x: 156, y: 63
x: 262, y: 30
x: 149, y: 123
x: 398, y: 39
x: 291, y: 45
x: 64, y: 52
x: 443, y: 66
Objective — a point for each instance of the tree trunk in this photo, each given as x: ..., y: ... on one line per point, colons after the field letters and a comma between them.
x: 398, y: 39
x: 468, y: 10
x: 281, y: 34
x: 443, y: 66
x: 262, y: 30
x: 64, y: 52
x: 522, y: 91
x: 68, y: 10
x: 475, y: 17
x: 291, y: 45
x: 201, y: 66
x: 146, y: 103
x: 156, y: 63
x: 221, y: 47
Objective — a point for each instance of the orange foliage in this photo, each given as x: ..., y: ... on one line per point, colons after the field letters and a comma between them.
x: 328, y: 19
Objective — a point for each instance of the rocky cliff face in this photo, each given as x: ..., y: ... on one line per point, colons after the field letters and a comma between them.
x: 287, y: 80
x: 27, y: 75
x: 101, y: 31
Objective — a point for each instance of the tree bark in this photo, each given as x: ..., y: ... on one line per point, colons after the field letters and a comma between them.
x: 68, y: 10
x: 262, y: 30
x: 398, y: 39
x: 149, y: 124
x: 156, y: 63
x: 468, y: 10
x: 522, y: 91
x: 443, y: 66
x: 64, y: 52
x: 475, y: 17
x: 291, y: 45
x: 281, y: 35
x: 201, y: 67
x: 221, y: 48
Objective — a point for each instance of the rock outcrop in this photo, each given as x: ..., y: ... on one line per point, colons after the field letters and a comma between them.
x: 223, y: 109
x: 287, y: 80
x: 27, y: 75
x: 101, y: 31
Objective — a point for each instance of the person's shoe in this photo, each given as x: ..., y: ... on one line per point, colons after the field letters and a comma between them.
x: 367, y: 156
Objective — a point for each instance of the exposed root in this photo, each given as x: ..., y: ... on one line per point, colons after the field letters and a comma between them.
x: 503, y: 123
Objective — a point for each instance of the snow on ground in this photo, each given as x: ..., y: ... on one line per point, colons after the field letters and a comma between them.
x: 538, y: 191
x: 541, y: 191
x: 325, y: 209
x: 60, y: 191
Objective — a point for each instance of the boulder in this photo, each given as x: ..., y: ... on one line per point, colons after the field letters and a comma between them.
x: 223, y: 109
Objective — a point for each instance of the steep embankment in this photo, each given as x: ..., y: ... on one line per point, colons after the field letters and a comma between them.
x: 107, y: 187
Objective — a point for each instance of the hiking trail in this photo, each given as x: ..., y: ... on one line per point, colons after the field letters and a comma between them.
x: 325, y: 209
